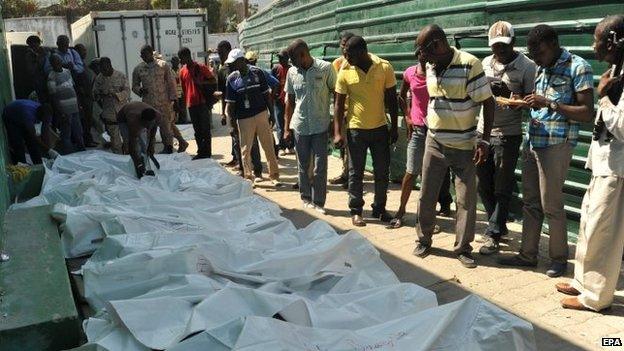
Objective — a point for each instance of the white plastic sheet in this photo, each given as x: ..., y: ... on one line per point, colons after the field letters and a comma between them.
x: 191, y: 260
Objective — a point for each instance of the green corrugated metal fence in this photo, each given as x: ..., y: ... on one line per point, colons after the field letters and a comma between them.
x: 391, y: 26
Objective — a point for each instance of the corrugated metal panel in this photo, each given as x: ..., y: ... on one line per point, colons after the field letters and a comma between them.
x: 5, y: 98
x: 391, y: 26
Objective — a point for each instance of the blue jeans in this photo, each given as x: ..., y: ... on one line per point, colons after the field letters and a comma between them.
x: 71, y: 134
x: 308, y: 146
x: 279, y: 125
x: 415, y: 151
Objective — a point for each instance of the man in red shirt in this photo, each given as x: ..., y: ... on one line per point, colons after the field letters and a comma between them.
x: 197, y: 81
x: 279, y: 71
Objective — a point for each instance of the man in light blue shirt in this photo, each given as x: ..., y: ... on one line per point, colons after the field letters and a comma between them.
x: 70, y: 57
x: 309, y: 86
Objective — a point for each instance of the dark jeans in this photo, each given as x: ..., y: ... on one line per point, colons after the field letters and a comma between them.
x: 496, y: 181
x: 255, y: 154
x: 182, y: 114
x: 18, y: 137
x: 359, y: 141
x: 279, y: 124
x: 200, y: 117
x: 312, y: 190
x: 71, y: 133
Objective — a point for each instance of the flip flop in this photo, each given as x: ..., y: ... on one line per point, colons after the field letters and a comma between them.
x: 395, y: 223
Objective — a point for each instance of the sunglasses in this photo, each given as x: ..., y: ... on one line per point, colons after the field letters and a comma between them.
x: 426, y: 48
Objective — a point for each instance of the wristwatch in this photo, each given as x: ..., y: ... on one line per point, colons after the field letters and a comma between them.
x: 553, y: 106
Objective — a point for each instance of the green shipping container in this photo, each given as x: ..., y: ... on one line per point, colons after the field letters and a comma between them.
x: 391, y: 26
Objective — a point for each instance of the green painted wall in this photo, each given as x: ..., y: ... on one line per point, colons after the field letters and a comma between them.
x: 5, y: 98
x: 391, y: 26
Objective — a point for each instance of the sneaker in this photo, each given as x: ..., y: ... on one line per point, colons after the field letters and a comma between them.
x: 557, y: 269
x: 516, y: 261
x: 258, y: 179
x: 467, y: 260
x: 291, y: 151
x: 422, y: 250
x: 491, y: 246
x: 320, y: 209
x: 338, y: 180
x: 282, y: 152
x: 276, y: 183
x: 307, y: 204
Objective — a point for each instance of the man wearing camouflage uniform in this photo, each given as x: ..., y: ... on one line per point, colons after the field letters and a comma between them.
x: 154, y: 82
x: 111, y: 91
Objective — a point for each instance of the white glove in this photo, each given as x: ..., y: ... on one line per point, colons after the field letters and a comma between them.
x: 52, y: 154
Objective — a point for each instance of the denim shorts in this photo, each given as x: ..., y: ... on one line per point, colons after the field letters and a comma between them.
x: 416, y: 150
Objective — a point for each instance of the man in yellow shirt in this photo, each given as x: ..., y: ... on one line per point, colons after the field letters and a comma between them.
x: 370, y: 85
x: 337, y: 64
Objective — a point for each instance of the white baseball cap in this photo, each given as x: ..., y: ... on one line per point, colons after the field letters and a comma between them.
x: 234, y: 55
x: 500, y: 32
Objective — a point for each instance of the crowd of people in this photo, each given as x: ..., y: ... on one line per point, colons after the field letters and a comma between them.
x: 463, y: 118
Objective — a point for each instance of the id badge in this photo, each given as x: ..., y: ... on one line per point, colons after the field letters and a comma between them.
x: 246, y: 103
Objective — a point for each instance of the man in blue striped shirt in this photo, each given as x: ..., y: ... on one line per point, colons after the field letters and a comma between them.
x: 563, y: 98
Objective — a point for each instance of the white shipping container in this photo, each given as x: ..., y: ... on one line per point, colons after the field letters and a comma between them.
x: 120, y: 35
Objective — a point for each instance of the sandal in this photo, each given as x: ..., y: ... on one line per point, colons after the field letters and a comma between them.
x: 395, y: 223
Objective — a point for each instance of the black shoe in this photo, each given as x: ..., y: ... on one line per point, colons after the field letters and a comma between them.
x: 557, y: 269
x: 167, y: 150
x: 516, y: 261
x: 445, y: 211
x: 199, y: 157
x: 338, y: 180
x: 467, y: 260
x: 231, y: 163
x: 422, y: 250
x: 295, y: 186
x: 491, y: 246
x: 382, y: 215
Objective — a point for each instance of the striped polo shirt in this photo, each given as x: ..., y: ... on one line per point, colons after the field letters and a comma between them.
x: 570, y: 74
x: 455, y: 98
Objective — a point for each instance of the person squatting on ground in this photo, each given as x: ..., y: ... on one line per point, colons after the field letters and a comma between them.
x: 138, y: 122
x: 20, y: 117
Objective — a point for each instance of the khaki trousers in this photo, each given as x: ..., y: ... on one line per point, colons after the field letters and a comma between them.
x: 248, y: 128
x: 601, y: 242
x: 115, y: 138
x: 543, y: 173
x: 436, y: 160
